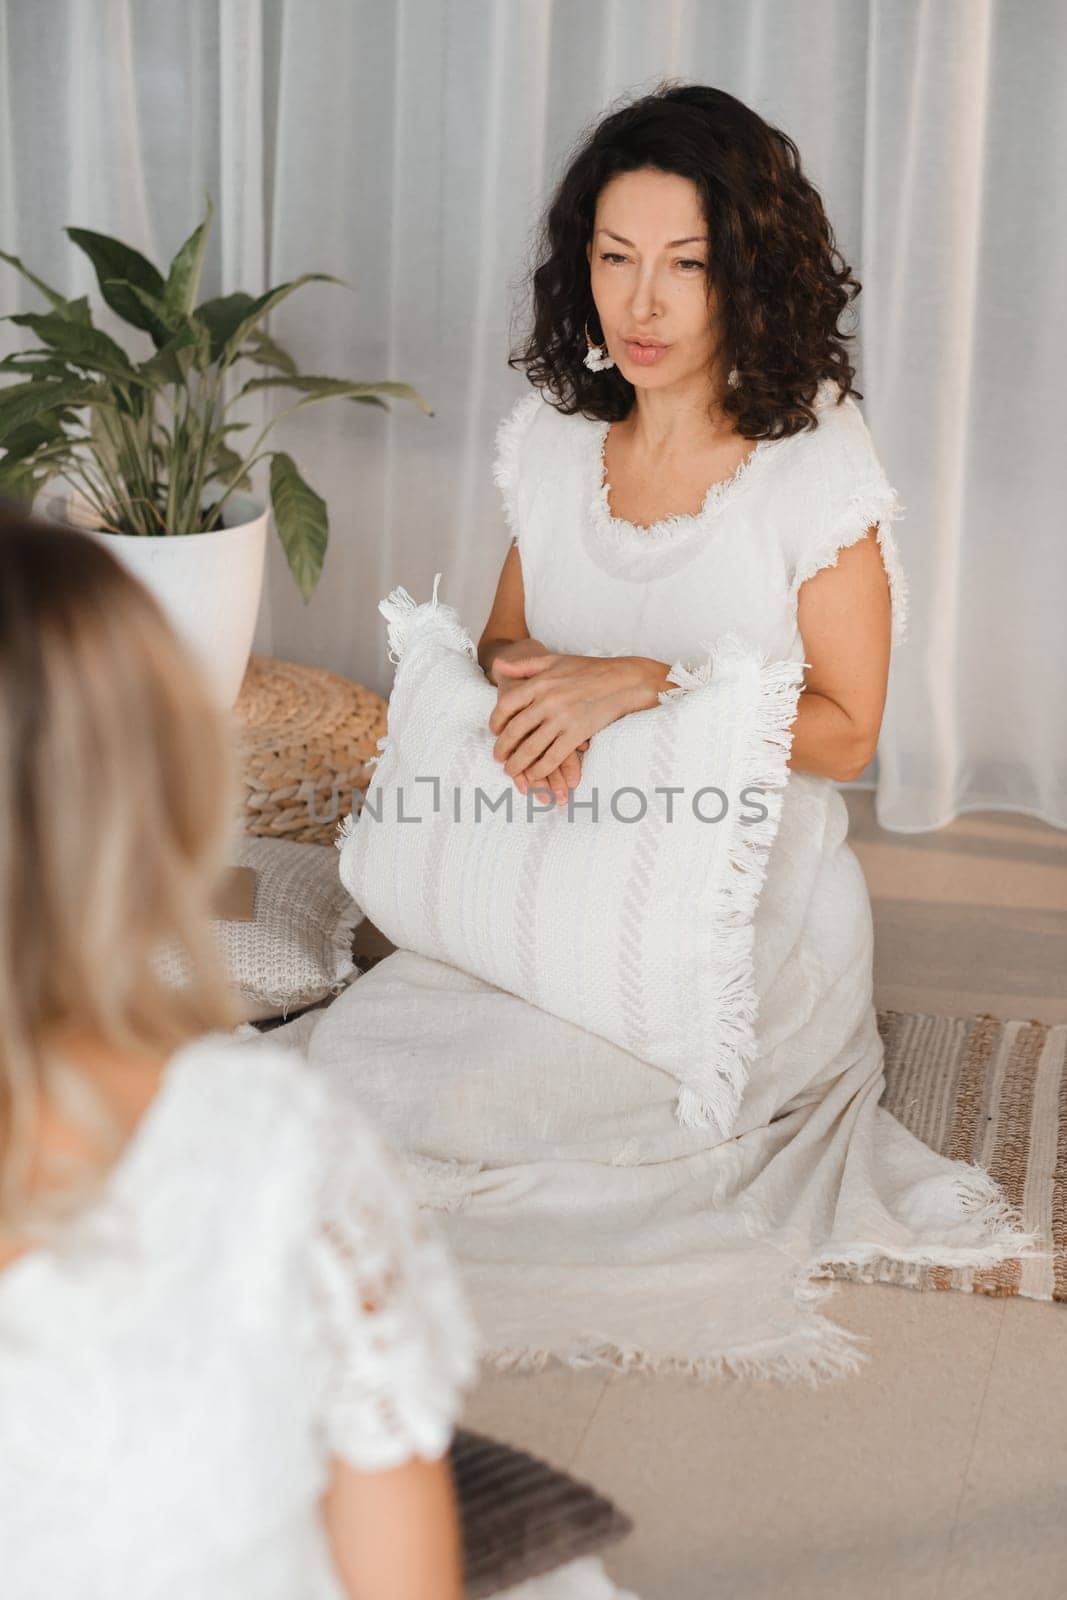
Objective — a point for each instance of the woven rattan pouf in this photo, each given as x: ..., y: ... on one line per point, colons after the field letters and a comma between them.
x: 305, y: 737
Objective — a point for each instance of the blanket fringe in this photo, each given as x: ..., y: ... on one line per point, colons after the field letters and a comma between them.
x: 981, y: 1199
x: 404, y: 614
x: 768, y: 726
x: 816, y: 1352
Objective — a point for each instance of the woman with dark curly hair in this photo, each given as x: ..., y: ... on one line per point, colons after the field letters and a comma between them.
x: 693, y: 465
x: 693, y: 387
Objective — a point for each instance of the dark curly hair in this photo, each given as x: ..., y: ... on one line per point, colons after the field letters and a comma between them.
x: 782, y: 283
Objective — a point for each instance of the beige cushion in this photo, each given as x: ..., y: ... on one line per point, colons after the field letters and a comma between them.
x: 297, y: 950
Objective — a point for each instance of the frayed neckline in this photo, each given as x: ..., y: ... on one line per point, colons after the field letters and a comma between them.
x: 619, y: 532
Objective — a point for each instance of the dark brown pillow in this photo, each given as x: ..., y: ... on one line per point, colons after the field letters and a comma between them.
x: 520, y: 1517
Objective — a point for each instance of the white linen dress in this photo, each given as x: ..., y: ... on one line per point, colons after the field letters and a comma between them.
x: 590, y: 1226
x: 597, y: 585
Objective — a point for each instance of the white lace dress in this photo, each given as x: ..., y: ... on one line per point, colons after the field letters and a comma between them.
x: 255, y: 1292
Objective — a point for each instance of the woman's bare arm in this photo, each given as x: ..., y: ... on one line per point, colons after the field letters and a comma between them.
x: 394, y: 1535
x: 844, y: 617
x: 506, y: 625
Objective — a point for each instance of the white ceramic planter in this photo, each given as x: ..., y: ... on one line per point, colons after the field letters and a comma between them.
x: 209, y: 584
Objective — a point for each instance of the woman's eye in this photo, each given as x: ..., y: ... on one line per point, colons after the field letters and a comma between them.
x: 699, y: 264
x: 611, y: 255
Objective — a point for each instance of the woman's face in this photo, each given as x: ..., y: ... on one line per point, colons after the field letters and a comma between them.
x: 648, y: 262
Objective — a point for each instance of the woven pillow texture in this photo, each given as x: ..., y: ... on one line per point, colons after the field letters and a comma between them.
x: 628, y: 911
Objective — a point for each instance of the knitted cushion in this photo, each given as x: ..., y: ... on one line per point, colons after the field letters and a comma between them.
x: 520, y: 1517
x: 637, y: 930
x: 298, y: 947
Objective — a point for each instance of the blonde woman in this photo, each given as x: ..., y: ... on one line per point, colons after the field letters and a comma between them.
x: 231, y: 1350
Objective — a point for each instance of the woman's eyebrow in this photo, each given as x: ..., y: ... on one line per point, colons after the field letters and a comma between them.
x: 695, y: 238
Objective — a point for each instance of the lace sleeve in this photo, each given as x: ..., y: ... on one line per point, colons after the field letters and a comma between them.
x: 401, y: 1345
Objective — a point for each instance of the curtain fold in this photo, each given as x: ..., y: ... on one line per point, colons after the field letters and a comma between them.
x: 408, y: 146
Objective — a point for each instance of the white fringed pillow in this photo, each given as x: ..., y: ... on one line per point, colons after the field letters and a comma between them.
x: 639, y: 931
x: 297, y: 950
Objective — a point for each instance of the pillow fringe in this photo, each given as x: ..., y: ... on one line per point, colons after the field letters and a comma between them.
x: 404, y: 615
x: 776, y: 686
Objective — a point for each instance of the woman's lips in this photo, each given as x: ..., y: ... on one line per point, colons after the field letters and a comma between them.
x: 645, y: 355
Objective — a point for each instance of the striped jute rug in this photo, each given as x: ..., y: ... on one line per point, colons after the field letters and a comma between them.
x: 977, y: 1089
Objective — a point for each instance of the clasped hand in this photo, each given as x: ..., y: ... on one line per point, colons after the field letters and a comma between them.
x: 548, y: 708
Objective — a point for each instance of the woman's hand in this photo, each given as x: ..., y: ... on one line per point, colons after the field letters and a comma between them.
x: 512, y: 650
x: 550, y: 705
x: 567, y: 774
x: 565, y: 777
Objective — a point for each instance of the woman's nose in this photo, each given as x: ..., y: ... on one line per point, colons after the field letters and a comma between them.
x: 645, y: 299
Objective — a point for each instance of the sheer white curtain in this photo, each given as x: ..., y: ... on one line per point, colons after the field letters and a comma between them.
x: 408, y: 146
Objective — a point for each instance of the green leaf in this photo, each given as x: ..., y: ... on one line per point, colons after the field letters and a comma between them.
x: 262, y: 348
x: 118, y: 266
x: 75, y: 310
x: 265, y: 303
x: 191, y: 342
x: 183, y: 278
x: 164, y: 324
x: 301, y: 520
x: 225, y: 463
x: 26, y: 402
x: 103, y: 446
x: 42, y: 363
x: 322, y: 388
x: 222, y: 316
x: 232, y: 318
x: 81, y: 344
x: 26, y: 440
x: 22, y: 481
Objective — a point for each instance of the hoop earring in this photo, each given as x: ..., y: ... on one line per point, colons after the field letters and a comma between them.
x: 596, y: 356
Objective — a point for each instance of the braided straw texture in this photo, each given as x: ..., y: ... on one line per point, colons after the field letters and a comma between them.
x: 305, y: 735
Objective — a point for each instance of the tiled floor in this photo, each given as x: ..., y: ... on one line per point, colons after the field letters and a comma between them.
x: 940, y: 1471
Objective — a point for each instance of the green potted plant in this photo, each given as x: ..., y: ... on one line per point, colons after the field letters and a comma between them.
x: 144, y: 446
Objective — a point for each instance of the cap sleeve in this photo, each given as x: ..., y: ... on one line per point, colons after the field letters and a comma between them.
x: 840, y: 491
x: 511, y: 433
x: 400, y: 1344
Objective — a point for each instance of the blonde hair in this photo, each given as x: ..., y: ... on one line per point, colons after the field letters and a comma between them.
x: 118, y: 791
